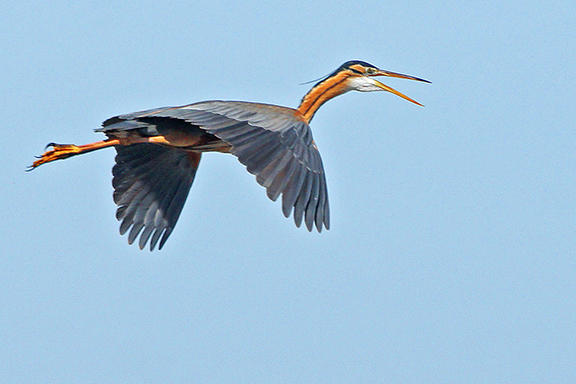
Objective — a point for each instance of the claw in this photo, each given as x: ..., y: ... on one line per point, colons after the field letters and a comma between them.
x: 58, y: 151
x: 55, y: 151
x: 54, y: 145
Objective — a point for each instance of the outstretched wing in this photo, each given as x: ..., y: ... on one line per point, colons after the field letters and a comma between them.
x: 151, y: 184
x: 275, y: 145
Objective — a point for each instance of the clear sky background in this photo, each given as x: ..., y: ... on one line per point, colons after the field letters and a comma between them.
x: 452, y: 253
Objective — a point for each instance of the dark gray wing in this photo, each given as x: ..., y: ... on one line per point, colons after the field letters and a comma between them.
x: 275, y: 144
x: 151, y: 184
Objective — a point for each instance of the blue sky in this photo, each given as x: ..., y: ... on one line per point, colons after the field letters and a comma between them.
x: 451, y: 254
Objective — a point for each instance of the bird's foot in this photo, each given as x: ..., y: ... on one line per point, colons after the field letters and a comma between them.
x: 58, y: 151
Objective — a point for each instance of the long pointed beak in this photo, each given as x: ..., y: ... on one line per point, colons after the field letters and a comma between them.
x: 392, y: 90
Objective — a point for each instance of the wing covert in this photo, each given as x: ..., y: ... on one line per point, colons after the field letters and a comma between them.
x: 275, y: 145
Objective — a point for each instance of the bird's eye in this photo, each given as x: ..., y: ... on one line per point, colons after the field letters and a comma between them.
x: 370, y: 71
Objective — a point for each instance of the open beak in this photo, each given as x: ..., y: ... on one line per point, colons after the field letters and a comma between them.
x: 392, y: 90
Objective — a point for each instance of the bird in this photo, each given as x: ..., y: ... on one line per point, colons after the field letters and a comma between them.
x: 158, y: 152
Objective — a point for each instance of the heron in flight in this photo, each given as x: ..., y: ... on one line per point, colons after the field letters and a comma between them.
x: 159, y: 150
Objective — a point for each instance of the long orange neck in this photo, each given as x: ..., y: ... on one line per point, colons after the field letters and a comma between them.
x: 321, y: 93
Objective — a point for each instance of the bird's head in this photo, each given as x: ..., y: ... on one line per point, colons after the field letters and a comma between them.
x: 350, y: 76
x: 359, y: 76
